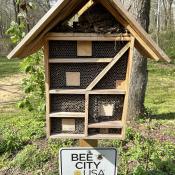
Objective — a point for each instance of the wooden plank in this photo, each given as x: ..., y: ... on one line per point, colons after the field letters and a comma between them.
x: 128, y: 79
x: 108, y: 67
x: 108, y: 124
x: 86, y: 113
x: 72, y: 78
x: 88, y: 143
x: 47, y: 87
x: 144, y: 46
x: 81, y: 60
x: 68, y: 125
x: 86, y: 7
x: 67, y: 91
x: 34, y: 47
x: 84, y: 48
x: 87, y: 37
x: 107, y: 91
x: 67, y: 136
x: 83, y: 91
x: 105, y: 136
x: 82, y: 136
x: 67, y: 114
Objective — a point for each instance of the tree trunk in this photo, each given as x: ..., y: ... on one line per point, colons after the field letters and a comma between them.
x: 170, y: 21
x: 16, y: 10
x: 158, y: 21
x: 141, y: 10
x: 158, y: 15
x: 167, y: 4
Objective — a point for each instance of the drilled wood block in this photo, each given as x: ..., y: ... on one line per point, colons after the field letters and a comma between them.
x: 121, y: 84
x: 84, y: 48
x: 68, y: 125
x: 106, y: 110
x: 72, y: 78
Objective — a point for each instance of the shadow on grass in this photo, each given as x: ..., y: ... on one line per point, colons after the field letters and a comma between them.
x: 164, y: 116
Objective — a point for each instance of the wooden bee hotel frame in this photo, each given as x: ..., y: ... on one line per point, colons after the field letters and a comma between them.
x: 87, y: 73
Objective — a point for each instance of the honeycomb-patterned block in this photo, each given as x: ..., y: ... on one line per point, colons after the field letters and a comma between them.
x: 67, y: 103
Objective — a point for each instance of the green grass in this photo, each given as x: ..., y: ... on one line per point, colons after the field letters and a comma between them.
x: 9, y: 67
x: 160, y: 96
x: 18, y: 127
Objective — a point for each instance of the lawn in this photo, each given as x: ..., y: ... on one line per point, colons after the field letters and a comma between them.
x: 149, y: 148
x: 160, y: 95
x: 9, y: 67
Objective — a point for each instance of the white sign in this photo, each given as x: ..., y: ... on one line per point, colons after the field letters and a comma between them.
x: 88, y: 161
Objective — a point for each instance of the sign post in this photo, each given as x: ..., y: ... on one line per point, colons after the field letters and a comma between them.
x: 88, y: 143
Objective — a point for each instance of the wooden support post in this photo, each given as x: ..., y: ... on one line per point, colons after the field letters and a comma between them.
x: 47, y: 86
x: 88, y: 143
x: 128, y: 79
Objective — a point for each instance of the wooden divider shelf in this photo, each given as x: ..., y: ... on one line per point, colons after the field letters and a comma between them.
x: 81, y: 60
x: 107, y: 91
x: 64, y: 136
x: 108, y: 124
x: 68, y: 114
x: 67, y: 91
x: 84, y: 91
x: 105, y: 136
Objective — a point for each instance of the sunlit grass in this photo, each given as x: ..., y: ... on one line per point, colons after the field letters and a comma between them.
x: 9, y: 67
x: 160, y: 96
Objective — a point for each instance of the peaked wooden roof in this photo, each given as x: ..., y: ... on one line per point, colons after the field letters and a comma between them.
x: 63, y: 9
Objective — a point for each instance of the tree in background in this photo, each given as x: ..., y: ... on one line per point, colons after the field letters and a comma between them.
x: 162, y: 13
x: 6, y: 13
x: 12, y: 12
x: 15, y: 10
x: 167, y: 4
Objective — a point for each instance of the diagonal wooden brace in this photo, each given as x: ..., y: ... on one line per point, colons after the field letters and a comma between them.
x: 108, y: 67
